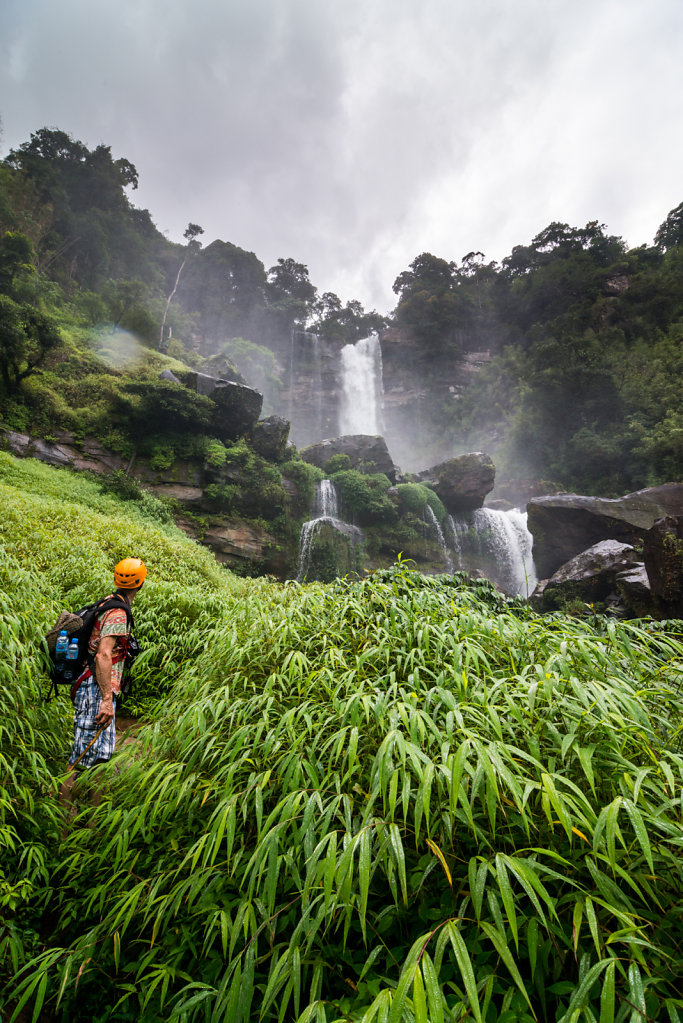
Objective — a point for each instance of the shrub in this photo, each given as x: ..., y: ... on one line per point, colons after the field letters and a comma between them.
x: 364, y: 498
x: 338, y: 463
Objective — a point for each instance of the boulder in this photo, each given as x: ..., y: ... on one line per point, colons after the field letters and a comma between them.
x: 269, y: 438
x: 589, y: 576
x: 246, y: 548
x: 329, y: 548
x: 633, y: 586
x: 462, y: 483
x: 168, y: 374
x: 663, y: 555
x: 366, y: 453
x: 563, y: 525
x: 237, y: 407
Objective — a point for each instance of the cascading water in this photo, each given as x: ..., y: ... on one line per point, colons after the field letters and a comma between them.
x: 362, y: 389
x: 498, y: 544
x: 433, y: 522
x: 325, y: 514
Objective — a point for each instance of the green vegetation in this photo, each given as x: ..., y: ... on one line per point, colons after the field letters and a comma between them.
x: 585, y: 338
x: 401, y: 798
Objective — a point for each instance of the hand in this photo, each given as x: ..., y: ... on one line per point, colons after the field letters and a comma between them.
x: 106, y: 714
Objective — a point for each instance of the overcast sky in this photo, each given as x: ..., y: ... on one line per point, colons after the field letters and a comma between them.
x: 353, y: 135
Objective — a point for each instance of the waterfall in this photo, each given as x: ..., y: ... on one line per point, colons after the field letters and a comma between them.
x: 325, y: 513
x: 326, y: 503
x: 434, y: 523
x: 498, y: 544
x: 361, y: 400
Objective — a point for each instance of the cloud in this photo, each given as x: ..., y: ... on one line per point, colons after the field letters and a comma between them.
x: 355, y: 136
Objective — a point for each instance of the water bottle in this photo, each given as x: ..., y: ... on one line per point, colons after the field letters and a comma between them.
x: 61, y: 646
x: 70, y: 661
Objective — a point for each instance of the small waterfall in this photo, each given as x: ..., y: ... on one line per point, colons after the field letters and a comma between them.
x: 326, y: 503
x: 434, y: 523
x: 362, y: 389
x: 498, y: 544
x: 325, y: 513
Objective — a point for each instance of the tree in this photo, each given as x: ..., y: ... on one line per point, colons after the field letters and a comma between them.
x: 26, y: 338
x: 290, y: 293
x: 190, y: 235
x: 16, y: 261
x: 670, y: 233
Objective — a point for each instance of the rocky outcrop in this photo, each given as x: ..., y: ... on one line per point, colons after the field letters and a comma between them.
x: 590, y: 576
x: 269, y: 438
x: 237, y: 407
x: 663, y: 556
x: 365, y: 452
x: 462, y: 483
x: 64, y: 451
x: 564, y: 525
x: 241, y: 546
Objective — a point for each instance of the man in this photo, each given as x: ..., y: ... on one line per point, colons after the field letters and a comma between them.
x: 94, y: 696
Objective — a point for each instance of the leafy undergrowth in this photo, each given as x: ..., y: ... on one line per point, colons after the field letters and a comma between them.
x: 398, y: 799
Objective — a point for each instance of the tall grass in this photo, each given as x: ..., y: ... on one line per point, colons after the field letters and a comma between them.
x: 402, y: 799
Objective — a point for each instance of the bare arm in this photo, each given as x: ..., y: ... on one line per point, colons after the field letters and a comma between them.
x: 103, y: 666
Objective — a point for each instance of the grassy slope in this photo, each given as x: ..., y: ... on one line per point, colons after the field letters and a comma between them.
x: 400, y: 799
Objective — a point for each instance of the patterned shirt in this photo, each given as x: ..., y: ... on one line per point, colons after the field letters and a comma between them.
x: 112, y: 623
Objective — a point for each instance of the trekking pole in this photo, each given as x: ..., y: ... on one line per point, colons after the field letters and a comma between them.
x: 89, y: 746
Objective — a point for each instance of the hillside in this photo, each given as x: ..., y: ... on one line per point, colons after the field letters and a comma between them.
x: 401, y: 798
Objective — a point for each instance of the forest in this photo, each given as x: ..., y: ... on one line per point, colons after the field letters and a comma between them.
x: 388, y: 798
x: 582, y: 388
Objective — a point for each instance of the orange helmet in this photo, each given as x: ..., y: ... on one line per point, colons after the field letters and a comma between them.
x: 129, y: 574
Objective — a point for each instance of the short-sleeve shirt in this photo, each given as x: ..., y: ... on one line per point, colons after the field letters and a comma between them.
x: 112, y: 623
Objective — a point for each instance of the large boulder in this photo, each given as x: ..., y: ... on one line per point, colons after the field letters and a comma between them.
x: 366, y: 452
x: 237, y: 407
x: 269, y: 438
x: 663, y: 556
x: 590, y: 576
x: 563, y: 525
x: 462, y: 483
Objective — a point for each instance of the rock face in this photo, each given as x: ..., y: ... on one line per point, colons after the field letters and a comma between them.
x: 462, y: 483
x: 566, y: 524
x: 239, y: 546
x: 663, y: 555
x: 64, y: 452
x: 237, y: 406
x: 364, y: 451
x: 269, y: 438
x: 591, y: 576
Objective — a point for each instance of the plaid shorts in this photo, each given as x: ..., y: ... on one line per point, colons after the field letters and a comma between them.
x: 86, y: 708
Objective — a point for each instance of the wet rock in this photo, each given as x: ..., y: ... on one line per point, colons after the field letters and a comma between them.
x: 246, y: 548
x: 366, y: 453
x: 663, y: 555
x: 590, y: 576
x: 65, y: 451
x: 237, y: 407
x: 563, y: 525
x: 634, y: 588
x: 462, y: 483
x: 269, y: 438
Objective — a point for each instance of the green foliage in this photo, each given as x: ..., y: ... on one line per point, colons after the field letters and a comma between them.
x: 364, y: 497
x: 438, y: 806
x: 338, y: 463
x: 216, y: 454
x: 27, y: 336
x: 305, y: 476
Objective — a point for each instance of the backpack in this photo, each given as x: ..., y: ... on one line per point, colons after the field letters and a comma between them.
x: 79, y: 626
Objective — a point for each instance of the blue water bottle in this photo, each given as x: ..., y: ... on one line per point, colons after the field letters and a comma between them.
x: 61, y: 646
x: 70, y: 661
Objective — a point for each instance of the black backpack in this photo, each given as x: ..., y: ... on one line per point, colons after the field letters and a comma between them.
x: 79, y: 626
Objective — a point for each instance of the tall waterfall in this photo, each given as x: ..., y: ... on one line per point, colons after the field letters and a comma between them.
x: 362, y: 390
x: 325, y: 514
x: 498, y: 544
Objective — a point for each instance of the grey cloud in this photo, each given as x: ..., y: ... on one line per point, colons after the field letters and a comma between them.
x: 354, y: 136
